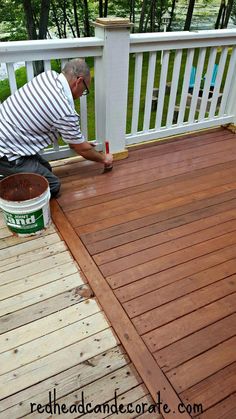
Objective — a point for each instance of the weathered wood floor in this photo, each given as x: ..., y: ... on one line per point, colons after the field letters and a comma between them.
x: 156, y: 239
x: 53, y: 335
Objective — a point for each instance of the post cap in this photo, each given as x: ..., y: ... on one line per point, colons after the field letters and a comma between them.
x: 113, y: 22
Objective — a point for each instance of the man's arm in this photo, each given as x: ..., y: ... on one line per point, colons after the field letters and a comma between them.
x: 88, y: 151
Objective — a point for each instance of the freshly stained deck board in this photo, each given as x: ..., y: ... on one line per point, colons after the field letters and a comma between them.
x: 153, y: 209
x: 85, y: 167
x: 199, y: 368
x: 133, y: 191
x: 164, y: 278
x: 207, y: 391
x: 194, y: 151
x: 171, y: 216
x: 143, y: 175
x: 190, y: 323
x: 53, y: 335
x: 166, y: 247
x: 181, y: 288
x: 157, y: 238
x: 161, y: 192
x: 173, y: 259
x: 215, y: 159
x: 161, y: 231
x: 224, y: 410
x: 197, y: 343
x: 166, y: 313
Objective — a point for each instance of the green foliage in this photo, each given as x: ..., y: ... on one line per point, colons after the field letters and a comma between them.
x: 12, y: 20
x: 12, y: 24
x: 233, y: 13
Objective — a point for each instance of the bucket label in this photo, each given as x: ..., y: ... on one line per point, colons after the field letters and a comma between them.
x: 25, y: 223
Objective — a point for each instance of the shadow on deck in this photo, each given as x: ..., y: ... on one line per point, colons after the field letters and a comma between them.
x: 156, y: 239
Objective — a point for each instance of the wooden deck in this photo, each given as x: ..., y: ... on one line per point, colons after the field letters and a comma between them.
x: 156, y: 240
x: 54, y: 335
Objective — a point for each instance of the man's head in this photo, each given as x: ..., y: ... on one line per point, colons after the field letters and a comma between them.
x: 77, y: 74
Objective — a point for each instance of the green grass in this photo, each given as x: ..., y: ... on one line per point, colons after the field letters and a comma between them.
x: 21, y: 80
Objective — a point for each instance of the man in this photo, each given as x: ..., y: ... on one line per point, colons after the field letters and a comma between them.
x: 40, y: 112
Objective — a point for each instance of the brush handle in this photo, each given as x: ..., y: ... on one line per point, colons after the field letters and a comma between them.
x: 107, y: 147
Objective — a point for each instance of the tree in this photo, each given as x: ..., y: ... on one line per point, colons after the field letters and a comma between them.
x: 132, y: 11
x: 224, y: 14
x: 76, y: 18
x: 43, y: 20
x: 172, y: 15
x: 189, y: 16
x: 105, y: 8
x: 102, y: 8
x: 228, y: 13
x: 233, y: 13
x: 36, y: 29
x: 30, y: 20
x: 220, y: 13
x: 86, y: 19
x: 142, y: 15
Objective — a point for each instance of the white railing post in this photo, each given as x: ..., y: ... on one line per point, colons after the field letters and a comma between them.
x: 111, y: 82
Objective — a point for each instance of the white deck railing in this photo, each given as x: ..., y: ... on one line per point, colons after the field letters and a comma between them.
x: 160, y: 68
x: 177, y: 110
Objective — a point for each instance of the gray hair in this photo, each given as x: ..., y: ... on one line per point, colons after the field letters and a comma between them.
x: 75, y: 68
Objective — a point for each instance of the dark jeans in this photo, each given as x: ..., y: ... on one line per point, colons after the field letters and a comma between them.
x: 31, y: 164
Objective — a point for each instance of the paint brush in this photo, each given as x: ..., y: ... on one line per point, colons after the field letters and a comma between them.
x: 107, y: 151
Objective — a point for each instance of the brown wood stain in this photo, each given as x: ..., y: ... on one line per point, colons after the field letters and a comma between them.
x: 22, y: 186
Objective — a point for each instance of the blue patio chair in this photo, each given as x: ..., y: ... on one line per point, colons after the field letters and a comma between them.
x: 214, y: 74
x: 192, y: 80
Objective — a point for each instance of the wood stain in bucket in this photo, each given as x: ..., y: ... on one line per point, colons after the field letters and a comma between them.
x: 24, y: 199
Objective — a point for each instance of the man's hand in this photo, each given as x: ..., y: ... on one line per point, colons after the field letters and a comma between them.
x: 108, y: 160
x: 86, y: 150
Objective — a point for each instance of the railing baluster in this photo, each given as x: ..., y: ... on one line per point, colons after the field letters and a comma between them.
x: 63, y: 62
x: 55, y: 145
x: 47, y: 65
x: 83, y: 116
x: 162, y: 88
x: 29, y: 70
x: 197, y: 85
x: 174, y: 87
x: 228, y: 83
x: 137, y: 91
x: 149, y: 90
x: 218, y: 81
x: 207, y: 83
x: 12, y: 77
x: 185, y: 87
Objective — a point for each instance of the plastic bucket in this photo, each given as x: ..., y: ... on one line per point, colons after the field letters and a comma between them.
x: 24, y: 199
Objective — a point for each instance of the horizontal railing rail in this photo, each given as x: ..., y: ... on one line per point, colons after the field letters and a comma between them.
x: 146, y: 42
x: 51, y: 48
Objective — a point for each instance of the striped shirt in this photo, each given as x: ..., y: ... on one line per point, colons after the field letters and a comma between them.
x: 36, y: 115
